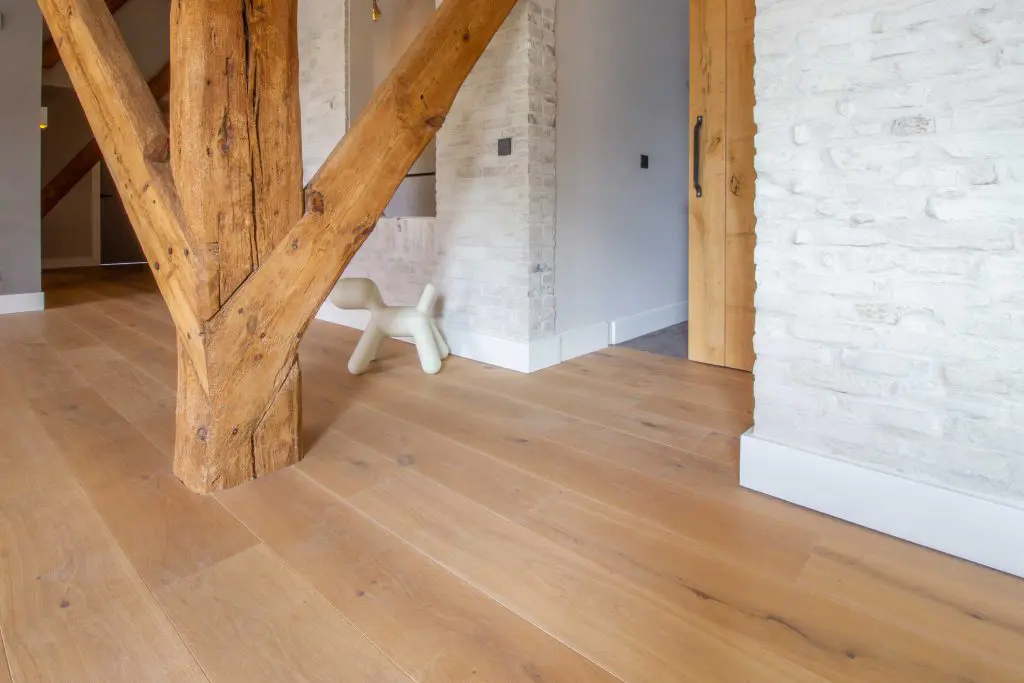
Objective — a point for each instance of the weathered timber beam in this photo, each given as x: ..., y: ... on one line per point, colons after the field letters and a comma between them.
x: 259, y: 329
x: 242, y: 259
x: 51, y: 55
x: 90, y: 155
x: 132, y: 135
x: 237, y: 163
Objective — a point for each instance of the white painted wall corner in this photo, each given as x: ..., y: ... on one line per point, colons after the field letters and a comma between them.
x: 953, y: 522
x: 21, y: 303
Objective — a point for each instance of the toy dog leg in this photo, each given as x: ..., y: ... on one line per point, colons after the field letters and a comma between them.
x: 426, y: 345
x: 442, y: 345
x: 366, y: 350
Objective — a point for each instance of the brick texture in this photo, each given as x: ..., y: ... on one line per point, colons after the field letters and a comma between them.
x: 890, y: 256
x: 323, y: 79
x: 490, y: 250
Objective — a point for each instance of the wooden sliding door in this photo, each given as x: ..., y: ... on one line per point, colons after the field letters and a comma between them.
x: 722, y: 182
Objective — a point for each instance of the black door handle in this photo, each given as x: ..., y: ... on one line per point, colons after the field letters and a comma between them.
x: 698, y: 190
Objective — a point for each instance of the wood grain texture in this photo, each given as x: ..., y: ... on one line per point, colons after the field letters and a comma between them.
x: 739, y: 206
x: 242, y: 267
x: 555, y: 467
x: 86, y: 159
x: 750, y: 605
x: 427, y: 620
x: 345, y: 199
x: 722, y: 220
x: 5, y: 669
x: 253, y: 598
x: 277, y: 439
x: 71, y: 605
x: 708, y: 84
x: 441, y: 528
x: 558, y: 590
x: 236, y: 118
x: 130, y: 131
x: 51, y: 55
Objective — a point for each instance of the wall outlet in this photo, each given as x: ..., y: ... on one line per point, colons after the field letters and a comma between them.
x: 505, y: 147
x: 645, y: 161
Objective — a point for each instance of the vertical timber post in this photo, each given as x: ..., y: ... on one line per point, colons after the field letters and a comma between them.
x: 237, y: 163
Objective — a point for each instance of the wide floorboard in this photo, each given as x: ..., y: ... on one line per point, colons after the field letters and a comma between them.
x: 583, y: 524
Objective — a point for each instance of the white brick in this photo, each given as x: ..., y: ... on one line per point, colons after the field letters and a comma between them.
x: 935, y: 235
x: 892, y: 416
x: 881, y: 363
x: 490, y: 250
x: 890, y: 252
x: 844, y: 381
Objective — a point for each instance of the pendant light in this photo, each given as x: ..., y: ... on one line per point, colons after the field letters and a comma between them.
x: 376, y: 11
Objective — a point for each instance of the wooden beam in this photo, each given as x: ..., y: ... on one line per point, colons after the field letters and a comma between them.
x: 131, y: 134
x: 51, y: 55
x: 248, y: 264
x: 90, y: 155
x: 347, y: 196
x: 236, y: 119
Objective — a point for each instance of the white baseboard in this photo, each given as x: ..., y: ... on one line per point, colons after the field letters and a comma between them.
x: 520, y: 356
x: 952, y: 522
x: 21, y: 303
x: 584, y: 340
x: 75, y: 262
x: 626, y: 329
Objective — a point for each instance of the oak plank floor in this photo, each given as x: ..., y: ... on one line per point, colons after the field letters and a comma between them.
x: 581, y: 525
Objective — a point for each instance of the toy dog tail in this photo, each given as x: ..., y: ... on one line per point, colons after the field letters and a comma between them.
x: 427, y: 300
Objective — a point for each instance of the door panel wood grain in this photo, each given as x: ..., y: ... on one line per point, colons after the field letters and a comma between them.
x: 722, y: 164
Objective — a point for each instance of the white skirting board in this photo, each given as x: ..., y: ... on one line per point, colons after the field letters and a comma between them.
x: 21, y: 303
x: 583, y: 340
x: 627, y: 329
x: 975, y: 529
x: 520, y: 356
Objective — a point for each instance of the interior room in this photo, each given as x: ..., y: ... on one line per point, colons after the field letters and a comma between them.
x: 511, y: 340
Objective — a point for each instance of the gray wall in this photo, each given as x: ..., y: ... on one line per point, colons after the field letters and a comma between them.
x: 146, y: 28
x: 67, y: 234
x: 622, y: 92
x: 67, y: 231
x: 20, y: 69
x: 374, y: 49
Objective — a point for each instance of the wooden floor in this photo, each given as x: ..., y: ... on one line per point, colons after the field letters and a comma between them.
x: 578, y: 525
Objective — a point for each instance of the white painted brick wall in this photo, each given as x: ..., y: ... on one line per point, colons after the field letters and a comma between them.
x: 496, y: 215
x: 890, y: 256
x: 490, y: 250
x: 323, y: 78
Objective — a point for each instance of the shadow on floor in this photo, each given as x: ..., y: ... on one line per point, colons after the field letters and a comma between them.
x: 672, y: 341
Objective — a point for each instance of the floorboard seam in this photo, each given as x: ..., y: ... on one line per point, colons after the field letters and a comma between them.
x: 305, y: 580
x: 448, y: 570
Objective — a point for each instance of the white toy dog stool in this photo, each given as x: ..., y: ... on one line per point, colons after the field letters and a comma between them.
x: 361, y: 294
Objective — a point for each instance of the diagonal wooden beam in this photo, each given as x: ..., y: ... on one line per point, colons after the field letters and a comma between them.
x: 345, y: 199
x: 132, y: 135
x: 86, y: 159
x: 242, y: 260
x: 51, y: 55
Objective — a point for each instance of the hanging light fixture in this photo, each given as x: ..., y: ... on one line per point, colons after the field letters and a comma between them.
x: 376, y: 11
x: 44, y: 118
